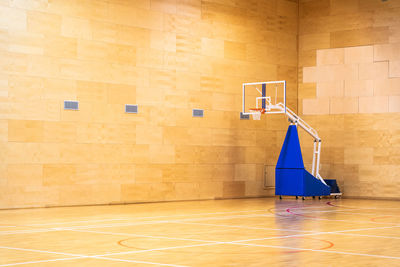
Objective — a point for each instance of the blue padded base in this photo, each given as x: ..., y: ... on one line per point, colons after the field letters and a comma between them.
x: 298, y: 182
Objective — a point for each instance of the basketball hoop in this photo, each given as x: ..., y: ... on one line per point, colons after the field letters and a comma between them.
x: 256, y: 113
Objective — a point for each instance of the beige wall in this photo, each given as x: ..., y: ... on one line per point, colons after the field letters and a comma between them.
x: 167, y: 56
x: 349, y: 89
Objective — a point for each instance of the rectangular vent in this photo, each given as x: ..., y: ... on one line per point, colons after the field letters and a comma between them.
x: 244, y: 116
x: 71, y: 105
x: 131, y: 108
x: 198, y: 113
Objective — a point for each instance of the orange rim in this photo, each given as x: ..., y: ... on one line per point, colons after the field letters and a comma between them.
x: 262, y: 110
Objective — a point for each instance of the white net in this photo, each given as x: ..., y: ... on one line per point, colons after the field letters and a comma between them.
x: 256, y: 115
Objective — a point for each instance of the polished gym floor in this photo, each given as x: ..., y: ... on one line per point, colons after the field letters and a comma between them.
x: 242, y: 232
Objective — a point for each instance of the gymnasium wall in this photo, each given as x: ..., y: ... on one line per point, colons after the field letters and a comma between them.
x: 349, y: 89
x: 167, y: 56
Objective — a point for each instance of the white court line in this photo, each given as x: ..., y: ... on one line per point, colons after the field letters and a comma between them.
x: 246, y: 240
x: 324, y: 251
x: 258, y: 239
x: 213, y: 243
x: 212, y: 218
x: 135, y: 261
x: 299, y: 214
x: 175, y: 221
x: 304, y: 231
x: 72, y: 222
x: 28, y: 231
x: 159, y: 249
x: 149, y: 217
x: 375, y: 236
x: 171, y: 221
x: 370, y: 214
x: 359, y: 208
x: 132, y: 224
x: 77, y: 256
x: 40, y: 261
x: 139, y: 235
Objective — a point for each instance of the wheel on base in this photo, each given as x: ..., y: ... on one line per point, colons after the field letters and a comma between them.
x: 313, y: 197
x: 303, y: 198
x: 297, y: 197
x: 280, y: 197
x: 319, y: 197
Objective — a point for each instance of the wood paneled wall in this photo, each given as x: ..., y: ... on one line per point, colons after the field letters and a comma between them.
x: 167, y: 56
x: 349, y: 86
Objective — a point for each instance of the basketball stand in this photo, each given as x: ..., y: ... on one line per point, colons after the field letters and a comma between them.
x: 291, y: 177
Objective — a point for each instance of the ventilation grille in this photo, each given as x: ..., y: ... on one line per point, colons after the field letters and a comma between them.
x: 131, y: 108
x: 244, y: 116
x: 198, y: 113
x: 71, y: 105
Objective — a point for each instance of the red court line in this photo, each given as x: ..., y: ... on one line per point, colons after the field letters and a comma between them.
x: 291, y: 212
x: 379, y: 217
x: 373, y: 219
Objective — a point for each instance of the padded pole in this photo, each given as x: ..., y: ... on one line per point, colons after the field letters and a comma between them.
x: 318, y: 157
x: 264, y: 92
x: 313, y: 158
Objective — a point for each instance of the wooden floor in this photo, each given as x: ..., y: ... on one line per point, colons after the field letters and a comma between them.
x: 249, y: 232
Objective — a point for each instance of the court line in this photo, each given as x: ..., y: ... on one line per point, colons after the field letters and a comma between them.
x: 78, y: 256
x: 131, y: 224
x: 325, y: 251
x: 40, y: 224
x: 196, y: 240
x: 149, y: 217
x: 366, y: 214
x: 28, y: 231
x: 375, y: 236
x: 238, y: 242
x: 171, y: 221
x: 196, y: 219
x: 360, y: 208
x: 324, y: 219
x: 166, y: 221
x: 309, y: 232
x: 380, y: 217
x: 139, y: 235
x: 136, y: 261
x: 39, y: 261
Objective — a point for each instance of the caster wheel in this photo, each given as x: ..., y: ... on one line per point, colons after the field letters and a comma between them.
x: 313, y: 197
x: 297, y: 197
x: 335, y: 197
x: 280, y: 197
x: 303, y: 198
x: 319, y: 197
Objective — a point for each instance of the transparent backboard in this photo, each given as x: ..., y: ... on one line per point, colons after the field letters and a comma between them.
x: 267, y: 97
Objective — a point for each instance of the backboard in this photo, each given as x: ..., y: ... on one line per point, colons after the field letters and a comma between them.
x: 264, y: 97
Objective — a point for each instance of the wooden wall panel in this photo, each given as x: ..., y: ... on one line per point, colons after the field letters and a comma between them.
x: 359, y: 150
x: 167, y: 56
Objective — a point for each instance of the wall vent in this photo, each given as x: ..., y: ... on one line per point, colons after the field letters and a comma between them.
x: 244, y: 116
x: 71, y: 105
x: 131, y: 108
x: 198, y: 113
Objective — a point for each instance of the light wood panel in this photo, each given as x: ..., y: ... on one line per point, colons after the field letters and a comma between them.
x: 345, y: 53
x: 166, y: 56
